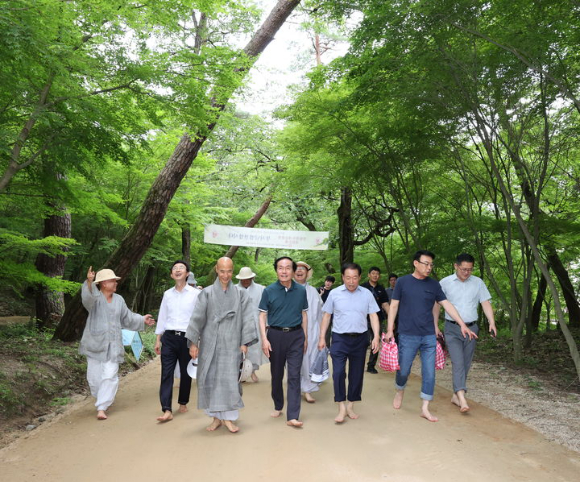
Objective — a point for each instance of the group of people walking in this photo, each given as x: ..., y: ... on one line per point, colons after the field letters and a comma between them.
x: 287, y: 323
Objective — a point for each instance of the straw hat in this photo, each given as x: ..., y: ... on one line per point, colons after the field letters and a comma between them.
x: 308, y: 268
x: 246, y: 273
x: 105, y: 275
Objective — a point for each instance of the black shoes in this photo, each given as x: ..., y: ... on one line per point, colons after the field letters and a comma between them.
x: 372, y: 370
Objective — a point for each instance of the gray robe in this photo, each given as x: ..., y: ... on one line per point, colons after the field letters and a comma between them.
x: 221, y: 322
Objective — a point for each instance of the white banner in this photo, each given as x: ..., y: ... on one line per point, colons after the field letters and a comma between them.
x: 265, y: 238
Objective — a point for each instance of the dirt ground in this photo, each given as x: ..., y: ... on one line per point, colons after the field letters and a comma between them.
x: 383, y: 444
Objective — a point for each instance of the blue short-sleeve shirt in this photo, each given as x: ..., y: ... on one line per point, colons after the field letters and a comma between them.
x: 350, y: 309
x: 416, y: 299
x: 284, y: 305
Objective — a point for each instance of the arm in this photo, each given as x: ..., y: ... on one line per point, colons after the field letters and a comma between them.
x: 436, y: 312
x: 89, y: 293
x: 376, y: 330
x: 449, y: 308
x: 488, y: 311
x: 305, y: 328
x: 323, y: 327
x: 393, y: 309
x: 385, y: 307
x: 161, y: 324
x: 266, y: 347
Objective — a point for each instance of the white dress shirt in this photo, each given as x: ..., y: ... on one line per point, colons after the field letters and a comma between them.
x: 176, y: 309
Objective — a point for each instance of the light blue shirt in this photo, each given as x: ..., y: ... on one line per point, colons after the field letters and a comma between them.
x: 465, y: 295
x: 350, y: 309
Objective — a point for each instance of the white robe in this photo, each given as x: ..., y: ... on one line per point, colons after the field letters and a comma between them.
x: 314, y: 319
x: 255, y: 354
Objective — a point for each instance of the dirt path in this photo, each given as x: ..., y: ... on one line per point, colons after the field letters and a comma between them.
x: 383, y: 445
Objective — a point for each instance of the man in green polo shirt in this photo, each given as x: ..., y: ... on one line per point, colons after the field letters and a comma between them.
x: 283, y: 306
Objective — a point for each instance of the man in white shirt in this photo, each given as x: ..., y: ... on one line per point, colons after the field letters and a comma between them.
x: 174, y: 315
x: 465, y: 292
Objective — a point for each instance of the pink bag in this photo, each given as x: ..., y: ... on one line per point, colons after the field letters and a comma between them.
x: 389, y: 356
x: 439, y: 357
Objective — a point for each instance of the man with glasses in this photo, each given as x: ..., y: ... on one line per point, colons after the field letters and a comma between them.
x: 465, y: 292
x: 413, y: 299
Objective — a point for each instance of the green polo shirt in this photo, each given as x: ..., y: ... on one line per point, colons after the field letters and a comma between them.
x: 284, y: 305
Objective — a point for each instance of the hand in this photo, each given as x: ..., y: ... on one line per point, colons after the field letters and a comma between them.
x: 493, y: 330
x: 321, y: 344
x: 389, y: 335
x: 149, y: 321
x: 266, y: 348
x: 244, y: 349
x: 466, y: 332
x: 193, y: 351
x: 438, y: 332
x: 375, y: 344
x: 158, y: 347
x: 90, y: 275
x: 305, y: 345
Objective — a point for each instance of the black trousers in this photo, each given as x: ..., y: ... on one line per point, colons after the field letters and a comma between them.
x: 352, y: 349
x: 174, y: 350
x: 287, y: 348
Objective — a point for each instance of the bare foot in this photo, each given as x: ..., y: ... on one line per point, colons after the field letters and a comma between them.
x: 294, y: 423
x: 309, y: 398
x: 463, y: 407
x: 101, y: 415
x: 398, y: 400
x: 255, y: 378
x: 341, y: 412
x: 427, y: 415
x: 182, y: 409
x: 276, y: 413
x: 350, y: 412
x: 233, y: 428
x: 166, y: 417
x: 217, y: 423
x: 455, y: 400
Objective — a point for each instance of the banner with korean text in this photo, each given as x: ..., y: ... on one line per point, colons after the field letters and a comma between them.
x: 265, y: 238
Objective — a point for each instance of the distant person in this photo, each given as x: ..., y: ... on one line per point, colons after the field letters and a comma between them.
x: 102, y: 341
x: 392, y: 281
x: 284, y: 308
x: 465, y: 292
x: 380, y: 296
x: 324, y: 290
x: 247, y: 282
x: 302, y: 275
x: 413, y: 299
x: 174, y: 314
x: 220, y: 330
x: 350, y: 304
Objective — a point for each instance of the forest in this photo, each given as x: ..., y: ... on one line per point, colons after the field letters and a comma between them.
x: 443, y: 125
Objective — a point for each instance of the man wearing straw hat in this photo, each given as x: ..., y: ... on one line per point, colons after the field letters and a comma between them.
x: 102, y: 341
x: 247, y: 283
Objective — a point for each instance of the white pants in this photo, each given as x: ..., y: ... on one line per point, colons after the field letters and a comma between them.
x: 231, y: 415
x: 103, y: 381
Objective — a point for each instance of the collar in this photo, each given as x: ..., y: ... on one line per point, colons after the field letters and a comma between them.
x: 185, y: 288
x: 343, y: 288
x: 282, y: 287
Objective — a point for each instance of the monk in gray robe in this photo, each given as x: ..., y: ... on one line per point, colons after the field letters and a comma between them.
x: 221, y: 328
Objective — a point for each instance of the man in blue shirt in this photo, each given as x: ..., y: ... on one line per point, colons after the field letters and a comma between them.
x: 350, y: 304
x: 414, y: 299
x: 283, y: 307
x: 466, y: 292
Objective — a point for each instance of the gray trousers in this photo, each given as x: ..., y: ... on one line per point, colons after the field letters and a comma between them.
x: 461, y: 353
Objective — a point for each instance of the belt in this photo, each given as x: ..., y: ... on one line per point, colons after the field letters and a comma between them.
x: 175, y: 332
x: 285, y: 329
x: 353, y: 334
x: 471, y: 323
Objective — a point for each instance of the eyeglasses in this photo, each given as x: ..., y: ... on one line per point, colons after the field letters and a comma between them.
x: 465, y: 270
x: 426, y: 264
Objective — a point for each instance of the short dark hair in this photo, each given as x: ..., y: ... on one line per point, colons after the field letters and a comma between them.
x: 464, y: 257
x: 346, y: 266
x: 294, y: 266
x: 180, y: 261
x: 374, y: 268
x: 393, y: 275
x: 423, y: 252
x: 330, y: 278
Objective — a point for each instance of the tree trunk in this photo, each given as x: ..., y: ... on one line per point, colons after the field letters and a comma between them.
x: 567, y: 289
x: 250, y: 224
x: 135, y: 244
x: 142, y: 298
x: 345, y: 231
x: 538, y: 303
x: 186, y: 243
x: 50, y: 304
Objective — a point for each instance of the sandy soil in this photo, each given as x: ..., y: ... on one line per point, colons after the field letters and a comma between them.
x: 384, y: 444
